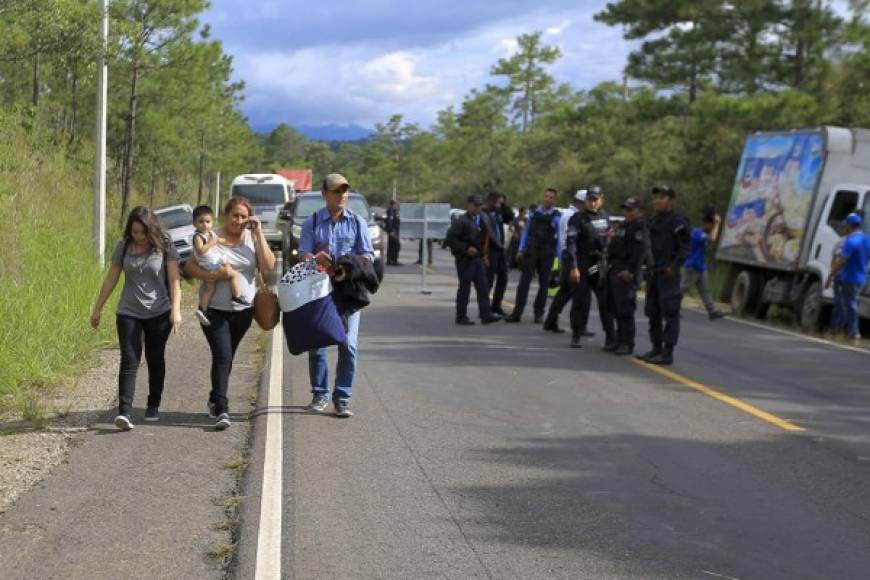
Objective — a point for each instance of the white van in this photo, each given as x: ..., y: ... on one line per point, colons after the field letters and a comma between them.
x: 269, y: 194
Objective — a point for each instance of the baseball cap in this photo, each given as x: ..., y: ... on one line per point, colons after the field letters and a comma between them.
x: 334, y: 180
x: 664, y: 190
x: 594, y: 191
x: 632, y: 203
x: 853, y: 219
x: 580, y: 195
x: 475, y: 199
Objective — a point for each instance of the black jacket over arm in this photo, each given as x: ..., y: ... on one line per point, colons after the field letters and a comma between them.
x: 352, y: 293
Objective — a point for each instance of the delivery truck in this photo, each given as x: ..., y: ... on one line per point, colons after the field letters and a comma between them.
x: 791, y: 193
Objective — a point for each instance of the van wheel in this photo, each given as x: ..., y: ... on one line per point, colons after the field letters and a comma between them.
x: 744, y: 293
x: 810, y: 313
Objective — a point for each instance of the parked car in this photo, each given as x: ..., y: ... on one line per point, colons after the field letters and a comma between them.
x: 178, y: 222
x: 311, y: 201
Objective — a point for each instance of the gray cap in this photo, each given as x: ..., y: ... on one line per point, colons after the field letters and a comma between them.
x: 334, y: 180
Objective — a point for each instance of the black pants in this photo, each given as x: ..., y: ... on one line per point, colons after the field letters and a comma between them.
x: 130, y: 338
x: 224, y: 335
x: 622, y: 300
x: 428, y: 251
x: 540, y: 264
x: 471, y: 271
x: 663, y: 298
x: 393, y: 248
x: 582, y: 303
x: 497, y: 273
x: 560, y: 300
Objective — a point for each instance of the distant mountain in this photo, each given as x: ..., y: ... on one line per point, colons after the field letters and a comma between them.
x: 323, y: 132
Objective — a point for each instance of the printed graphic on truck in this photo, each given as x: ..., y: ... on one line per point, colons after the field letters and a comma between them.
x: 776, y: 181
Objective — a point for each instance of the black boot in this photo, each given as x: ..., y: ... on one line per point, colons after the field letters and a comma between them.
x: 664, y: 358
x: 624, y: 349
x: 575, y: 341
x: 514, y: 317
x: 551, y: 325
x: 656, y: 351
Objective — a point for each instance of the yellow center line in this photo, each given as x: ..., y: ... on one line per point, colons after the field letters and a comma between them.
x: 727, y: 399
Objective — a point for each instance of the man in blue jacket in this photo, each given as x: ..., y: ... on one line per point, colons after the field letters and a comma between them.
x: 338, y: 232
x: 850, y: 272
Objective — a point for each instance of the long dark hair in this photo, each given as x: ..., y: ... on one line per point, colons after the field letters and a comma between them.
x: 153, y: 230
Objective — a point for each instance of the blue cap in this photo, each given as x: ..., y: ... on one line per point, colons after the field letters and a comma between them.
x: 853, y: 219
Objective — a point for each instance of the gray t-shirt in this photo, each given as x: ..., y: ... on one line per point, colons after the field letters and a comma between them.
x: 243, y: 259
x: 145, y: 293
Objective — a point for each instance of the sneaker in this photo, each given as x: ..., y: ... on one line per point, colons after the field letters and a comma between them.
x: 318, y: 404
x: 343, y: 410
x: 223, y: 422
x: 211, y: 410
x: 202, y: 317
x: 151, y: 414
x: 716, y: 314
x: 241, y: 300
x: 123, y: 423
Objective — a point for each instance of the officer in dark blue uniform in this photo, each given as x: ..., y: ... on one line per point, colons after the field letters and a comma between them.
x: 669, y: 241
x: 588, y: 231
x: 468, y: 241
x: 496, y: 265
x: 536, y: 253
x: 625, y: 255
x: 392, y: 224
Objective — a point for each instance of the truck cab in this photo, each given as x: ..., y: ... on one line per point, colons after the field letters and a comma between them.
x: 269, y: 194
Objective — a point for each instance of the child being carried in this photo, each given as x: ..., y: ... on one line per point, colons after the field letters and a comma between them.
x: 211, y: 258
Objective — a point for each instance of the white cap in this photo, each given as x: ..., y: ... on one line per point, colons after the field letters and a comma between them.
x: 580, y: 195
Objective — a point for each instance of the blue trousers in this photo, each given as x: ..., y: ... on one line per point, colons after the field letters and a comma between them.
x: 345, y: 370
x: 846, y: 309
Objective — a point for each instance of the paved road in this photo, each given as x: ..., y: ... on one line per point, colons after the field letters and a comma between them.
x: 497, y: 452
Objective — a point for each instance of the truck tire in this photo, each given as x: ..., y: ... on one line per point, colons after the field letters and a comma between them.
x: 744, y: 293
x: 810, y: 310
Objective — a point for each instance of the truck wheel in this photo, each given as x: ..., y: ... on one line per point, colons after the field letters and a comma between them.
x: 810, y: 313
x: 744, y: 294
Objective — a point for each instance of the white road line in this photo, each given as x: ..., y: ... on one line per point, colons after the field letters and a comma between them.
x: 269, y: 536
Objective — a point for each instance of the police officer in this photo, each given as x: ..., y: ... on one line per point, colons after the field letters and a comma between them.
x: 588, y: 231
x: 566, y: 288
x: 669, y: 242
x: 391, y: 226
x: 468, y: 241
x: 536, y: 253
x: 625, y: 255
x: 496, y: 266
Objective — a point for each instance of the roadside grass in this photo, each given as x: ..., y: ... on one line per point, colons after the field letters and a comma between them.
x: 48, y: 276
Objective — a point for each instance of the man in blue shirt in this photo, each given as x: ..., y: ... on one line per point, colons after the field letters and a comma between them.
x: 850, y: 272
x: 536, y: 254
x: 330, y: 233
x: 695, y: 268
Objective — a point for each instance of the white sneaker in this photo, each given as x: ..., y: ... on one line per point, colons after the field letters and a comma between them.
x: 223, y: 422
x: 203, y: 319
x: 123, y: 423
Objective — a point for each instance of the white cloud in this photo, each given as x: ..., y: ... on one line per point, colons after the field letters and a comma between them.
x: 559, y: 29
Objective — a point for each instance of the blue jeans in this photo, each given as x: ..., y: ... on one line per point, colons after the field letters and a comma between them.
x: 345, y: 370
x: 847, y: 304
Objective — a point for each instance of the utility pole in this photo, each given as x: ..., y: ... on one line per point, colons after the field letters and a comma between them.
x: 100, y: 145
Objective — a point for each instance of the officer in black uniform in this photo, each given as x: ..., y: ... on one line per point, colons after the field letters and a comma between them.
x: 588, y: 231
x: 625, y: 255
x: 536, y: 253
x: 496, y: 265
x: 566, y: 288
x: 468, y: 241
x: 669, y: 242
x: 391, y: 226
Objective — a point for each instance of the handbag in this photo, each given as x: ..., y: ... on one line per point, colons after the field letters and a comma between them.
x: 309, y: 314
x: 266, y: 310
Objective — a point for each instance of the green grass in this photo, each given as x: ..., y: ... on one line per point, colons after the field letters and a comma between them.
x: 49, y: 278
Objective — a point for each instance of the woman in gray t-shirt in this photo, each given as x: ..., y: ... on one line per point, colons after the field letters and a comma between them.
x: 247, y: 251
x: 150, y: 307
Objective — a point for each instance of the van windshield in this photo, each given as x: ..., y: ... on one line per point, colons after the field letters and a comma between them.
x: 305, y: 206
x: 260, y: 193
x: 175, y: 218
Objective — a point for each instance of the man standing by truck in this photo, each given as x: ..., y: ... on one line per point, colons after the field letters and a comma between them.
x: 669, y: 241
x: 695, y: 268
x: 850, y: 272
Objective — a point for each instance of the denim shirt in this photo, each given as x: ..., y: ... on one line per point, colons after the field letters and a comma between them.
x: 348, y: 235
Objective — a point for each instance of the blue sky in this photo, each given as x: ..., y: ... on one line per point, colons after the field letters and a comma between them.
x: 359, y: 61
